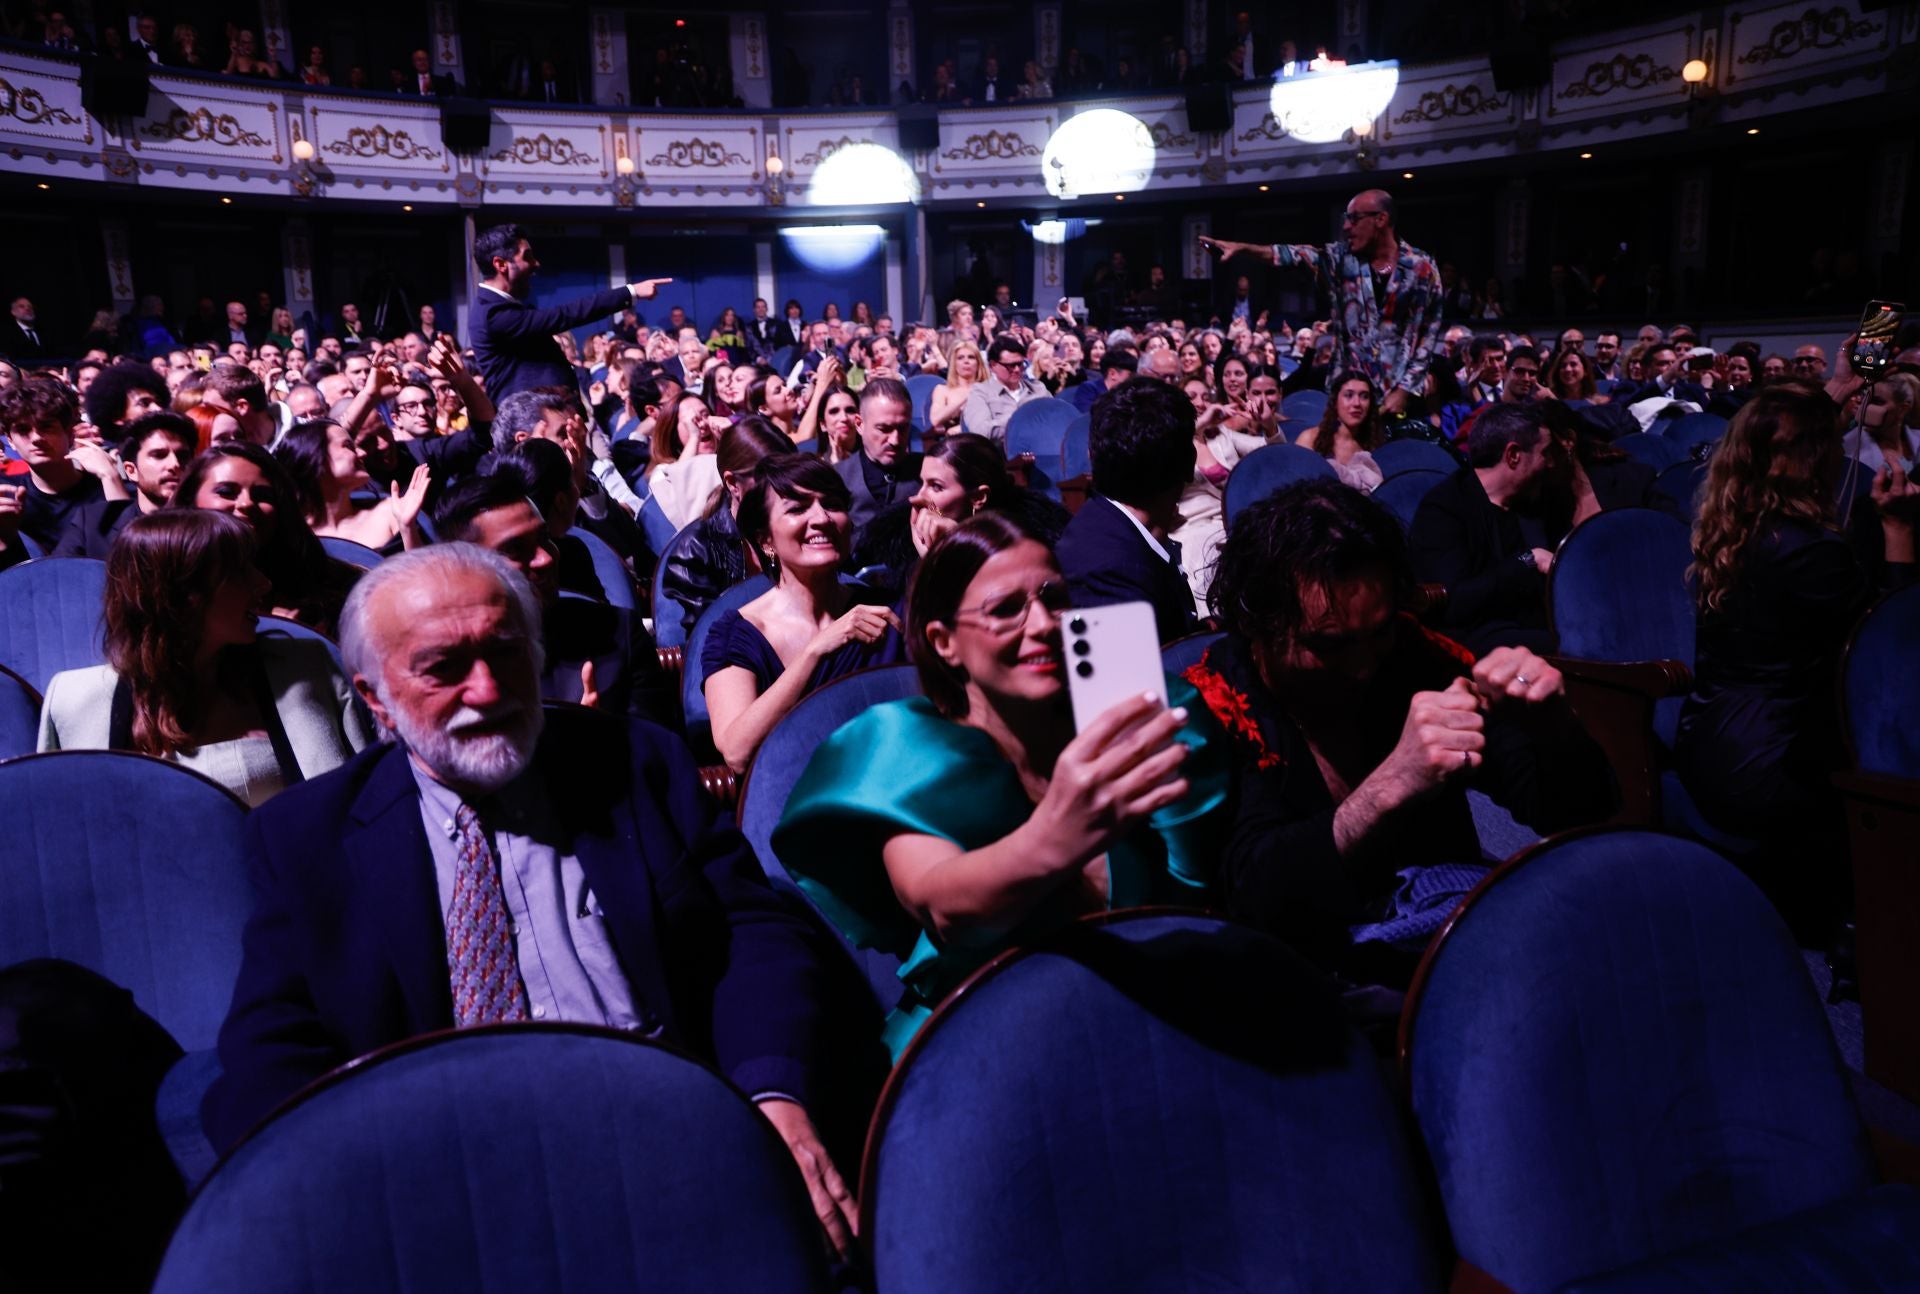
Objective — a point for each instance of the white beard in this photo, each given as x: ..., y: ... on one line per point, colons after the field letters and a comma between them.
x: 484, y: 763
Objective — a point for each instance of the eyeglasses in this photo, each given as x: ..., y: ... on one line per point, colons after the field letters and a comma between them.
x: 420, y: 406
x: 1009, y: 612
x: 1355, y: 217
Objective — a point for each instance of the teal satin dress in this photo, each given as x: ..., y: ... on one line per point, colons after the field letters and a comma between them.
x: 903, y: 768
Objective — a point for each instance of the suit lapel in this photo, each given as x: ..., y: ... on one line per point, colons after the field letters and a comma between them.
x: 392, y: 868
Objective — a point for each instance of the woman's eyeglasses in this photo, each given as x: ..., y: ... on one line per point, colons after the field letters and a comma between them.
x: 1009, y: 611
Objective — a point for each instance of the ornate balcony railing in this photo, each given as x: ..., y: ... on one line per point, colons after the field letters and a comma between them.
x: 276, y: 138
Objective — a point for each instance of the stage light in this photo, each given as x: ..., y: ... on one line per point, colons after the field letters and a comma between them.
x: 1694, y: 71
x: 1406, y: 175
x: 303, y: 150
x: 833, y: 249
x: 1056, y: 232
x: 43, y: 187
x: 862, y: 175
x: 1102, y: 150
x: 406, y: 206
x: 1753, y: 130
x: 226, y: 202
x: 1265, y: 187
x: 1325, y: 106
x: 1586, y: 157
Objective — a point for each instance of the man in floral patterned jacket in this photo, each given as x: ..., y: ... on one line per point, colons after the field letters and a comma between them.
x: 1386, y: 295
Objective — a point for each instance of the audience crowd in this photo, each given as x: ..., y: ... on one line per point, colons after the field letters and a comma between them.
x: 470, y: 522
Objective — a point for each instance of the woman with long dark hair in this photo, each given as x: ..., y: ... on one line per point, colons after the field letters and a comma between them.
x: 328, y: 466
x: 1780, y: 578
x: 246, y: 481
x: 1349, y: 431
x: 187, y: 679
x: 944, y: 828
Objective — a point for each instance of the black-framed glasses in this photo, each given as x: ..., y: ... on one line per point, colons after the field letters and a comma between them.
x: 1355, y: 217
x: 1009, y: 611
x: 420, y: 406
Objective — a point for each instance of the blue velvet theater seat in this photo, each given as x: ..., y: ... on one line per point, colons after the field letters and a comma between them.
x: 1397, y: 456
x: 19, y: 715
x: 1182, y: 653
x: 1401, y: 493
x: 345, y: 550
x: 1268, y: 469
x: 1039, y: 427
x: 1162, y: 1102
x: 132, y: 867
x: 525, y: 1158
x: 616, y: 586
x: 1615, y: 1056
x: 777, y: 766
x: 1879, y: 692
x: 1075, y: 456
x: 693, y: 675
x: 50, y: 617
x: 920, y: 389
x: 1302, y: 409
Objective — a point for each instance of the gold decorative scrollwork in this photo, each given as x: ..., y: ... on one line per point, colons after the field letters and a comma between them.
x: 1814, y: 29
x: 544, y: 150
x: 696, y: 152
x: 378, y: 141
x: 1268, y: 127
x: 1163, y: 136
x: 29, y: 107
x: 1620, y: 72
x: 1453, y: 101
x: 201, y: 127
x: 823, y: 150
x: 995, y: 145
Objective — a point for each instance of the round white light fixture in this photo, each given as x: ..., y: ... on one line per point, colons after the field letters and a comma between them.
x: 1102, y: 150
x: 833, y: 249
x: 1694, y: 71
x: 863, y: 175
x: 624, y: 165
x: 774, y: 165
x: 303, y: 150
x: 1322, y: 107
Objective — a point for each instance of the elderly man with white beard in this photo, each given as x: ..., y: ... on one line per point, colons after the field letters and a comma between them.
x: 494, y: 862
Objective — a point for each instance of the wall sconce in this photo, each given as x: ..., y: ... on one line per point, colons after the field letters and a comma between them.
x: 624, y: 165
x: 303, y: 177
x: 776, y: 185
x: 1694, y: 71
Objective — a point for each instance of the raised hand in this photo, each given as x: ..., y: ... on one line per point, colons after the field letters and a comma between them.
x: 406, y: 507
x: 1119, y: 772
x: 645, y: 288
x: 1442, y: 738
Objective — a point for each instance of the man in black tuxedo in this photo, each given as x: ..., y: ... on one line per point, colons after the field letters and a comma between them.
x: 20, y: 336
x: 1116, y: 547
x: 424, y: 81
x: 513, y: 341
x: 146, y: 45
x: 493, y: 862
x: 550, y: 87
x: 764, y: 333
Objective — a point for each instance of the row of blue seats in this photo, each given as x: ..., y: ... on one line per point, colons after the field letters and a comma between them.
x: 1619, y: 1076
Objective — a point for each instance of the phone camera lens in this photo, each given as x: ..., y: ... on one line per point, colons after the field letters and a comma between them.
x: 1084, y: 669
x: 1078, y: 625
x: 1081, y: 646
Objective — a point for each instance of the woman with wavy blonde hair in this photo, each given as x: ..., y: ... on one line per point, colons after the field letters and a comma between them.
x: 965, y: 366
x: 1781, y: 574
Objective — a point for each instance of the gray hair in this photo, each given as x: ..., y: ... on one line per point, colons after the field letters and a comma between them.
x: 437, y: 562
x: 519, y: 415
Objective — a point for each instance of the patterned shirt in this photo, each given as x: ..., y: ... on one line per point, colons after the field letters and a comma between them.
x: 1389, y: 338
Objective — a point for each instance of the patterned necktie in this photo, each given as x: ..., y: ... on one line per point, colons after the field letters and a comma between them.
x: 480, y: 957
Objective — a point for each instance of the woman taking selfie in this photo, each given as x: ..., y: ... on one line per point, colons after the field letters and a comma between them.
x: 944, y: 828
x: 188, y: 681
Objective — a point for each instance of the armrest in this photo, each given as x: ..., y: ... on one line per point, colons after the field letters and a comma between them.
x: 1428, y: 600
x: 1901, y: 792
x: 722, y: 783
x: 673, y: 661
x: 1656, y: 679
x: 1614, y: 701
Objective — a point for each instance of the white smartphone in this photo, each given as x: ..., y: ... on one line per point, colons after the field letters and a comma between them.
x: 1078, y: 305
x: 1113, y: 655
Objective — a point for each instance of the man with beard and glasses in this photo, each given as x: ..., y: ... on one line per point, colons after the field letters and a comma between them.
x: 494, y: 862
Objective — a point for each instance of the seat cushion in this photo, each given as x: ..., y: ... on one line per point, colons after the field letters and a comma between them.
x: 1862, y: 1245
x: 176, y: 1108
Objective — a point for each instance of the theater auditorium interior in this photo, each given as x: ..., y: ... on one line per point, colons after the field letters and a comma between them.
x: 962, y: 645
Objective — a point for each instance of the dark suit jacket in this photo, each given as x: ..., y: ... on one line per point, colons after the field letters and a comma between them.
x: 442, y: 85
x: 92, y: 527
x: 346, y: 949
x: 1461, y: 540
x: 766, y: 337
x: 513, y: 340
x: 866, y: 504
x: 788, y: 333
x: 1106, y: 561
x: 15, y: 346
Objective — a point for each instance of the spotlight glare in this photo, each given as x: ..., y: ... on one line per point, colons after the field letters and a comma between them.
x: 833, y: 249
x: 1323, y: 106
x: 863, y: 174
x: 1753, y: 130
x: 1265, y: 187
x: 1406, y: 175
x: 1101, y: 150
x: 226, y: 202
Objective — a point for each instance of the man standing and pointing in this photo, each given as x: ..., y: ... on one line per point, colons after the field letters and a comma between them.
x: 513, y: 341
x: 1386, y: 295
